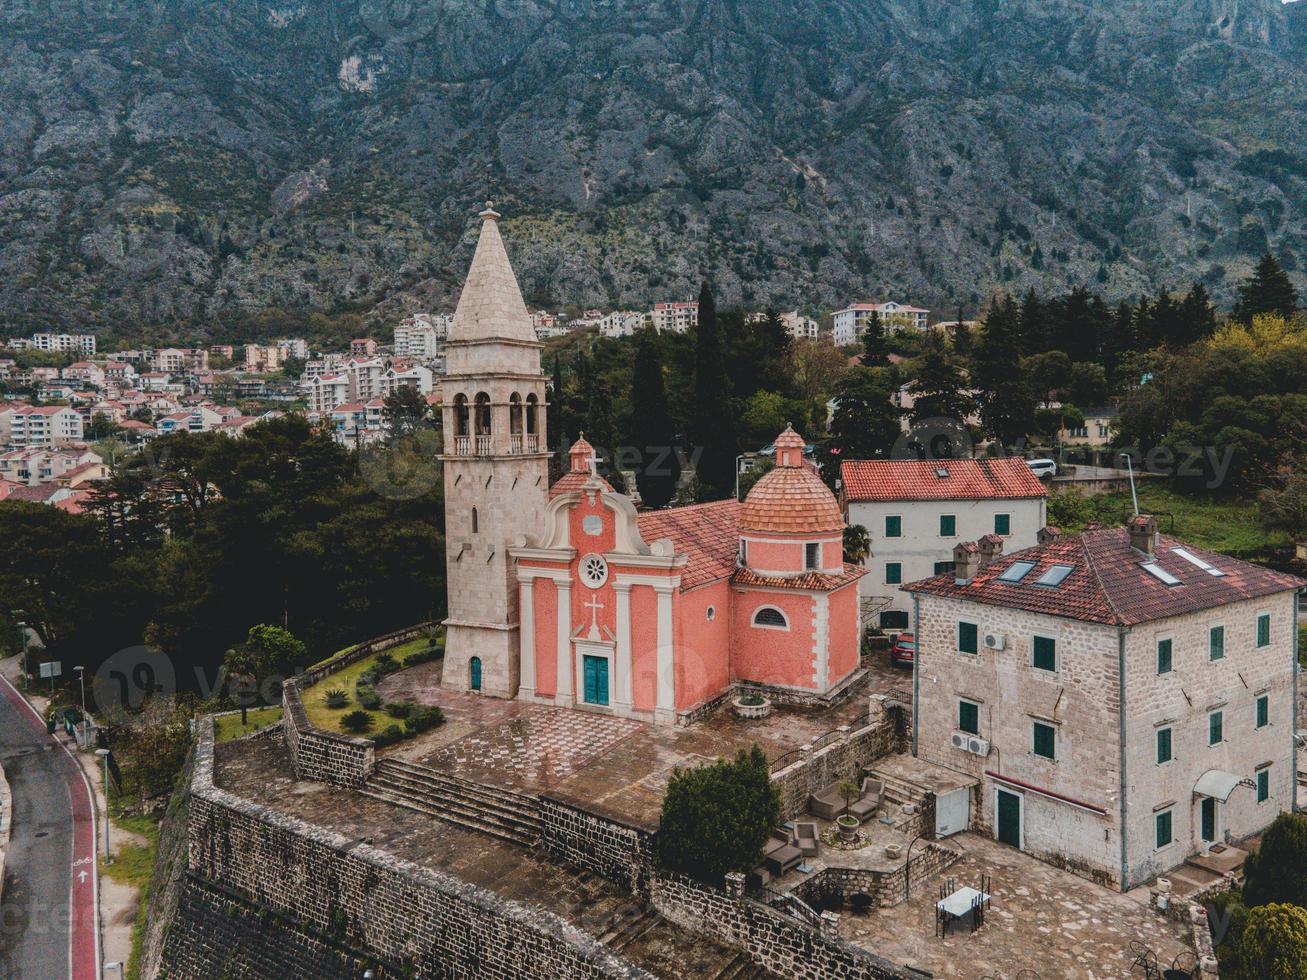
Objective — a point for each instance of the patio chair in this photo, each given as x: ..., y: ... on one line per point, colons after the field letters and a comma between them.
x: 1145, y: 959
x: 779, y: 855
x: 805, y: 838
x: 826, y: 803
x: 869, y: 801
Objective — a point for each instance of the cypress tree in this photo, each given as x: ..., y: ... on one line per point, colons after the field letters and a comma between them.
x: 1007, y: 401
x: 875, y: 351
x: 1267, y: 291
x: 939, y: 390
x: 1197, y: 318
x: 714, y: 417
x: 652, y: 433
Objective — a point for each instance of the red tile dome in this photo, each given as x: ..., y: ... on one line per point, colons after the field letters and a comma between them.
x: 791, y: 499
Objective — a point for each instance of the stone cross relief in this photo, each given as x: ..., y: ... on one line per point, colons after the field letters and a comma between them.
x: 594, y: 605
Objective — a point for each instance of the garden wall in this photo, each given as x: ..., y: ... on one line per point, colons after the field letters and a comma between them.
x: 833, y: 885
x: 618, y: 851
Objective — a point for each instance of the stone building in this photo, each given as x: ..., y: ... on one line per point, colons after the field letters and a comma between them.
x: 1124, y: 699
x: 915, y: 511
x: 496, y: 466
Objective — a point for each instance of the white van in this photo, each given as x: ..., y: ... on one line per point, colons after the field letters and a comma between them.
x: 1043, y: 468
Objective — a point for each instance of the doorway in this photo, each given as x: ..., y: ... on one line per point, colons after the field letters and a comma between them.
x: 475, y: 667
x: 595, y: 670
x: 1207, y: 821
x: 1008, y: 828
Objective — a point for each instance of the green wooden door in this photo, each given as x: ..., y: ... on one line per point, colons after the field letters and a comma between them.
x: 475, y: 666
x: 596, y: 679
x: 1209, y: 818
x: 1009, y: 818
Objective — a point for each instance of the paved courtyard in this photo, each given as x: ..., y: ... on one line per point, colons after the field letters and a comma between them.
x: 1040, y: 918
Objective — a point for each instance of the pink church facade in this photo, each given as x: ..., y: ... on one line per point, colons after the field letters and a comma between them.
x: 655, y: 615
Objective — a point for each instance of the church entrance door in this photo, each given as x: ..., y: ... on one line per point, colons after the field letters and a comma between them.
x: 476, y: 673
x: 596, y: 680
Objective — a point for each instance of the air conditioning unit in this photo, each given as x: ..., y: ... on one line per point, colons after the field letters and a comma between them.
x: 960, y: 740
x: 978, y: 746
x: 995, y: 641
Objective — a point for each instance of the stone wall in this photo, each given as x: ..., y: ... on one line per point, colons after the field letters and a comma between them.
x: 837, y: 760
x: 618, y: 851
x: 775, y: 941
x: 834, y: 885
x: 324, y: 756
x: 363, y: 898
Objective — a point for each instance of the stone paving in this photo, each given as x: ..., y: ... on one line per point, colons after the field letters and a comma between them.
x: 1040, y: 918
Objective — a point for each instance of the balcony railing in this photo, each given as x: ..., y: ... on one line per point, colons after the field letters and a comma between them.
x: 483, y: 445
x: 515, y: 444
x: 462, y: 445
x: 533, y: 443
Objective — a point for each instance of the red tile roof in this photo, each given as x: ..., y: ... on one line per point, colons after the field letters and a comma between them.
x: 708, y: 534
x: 573, y: 481
x: 1108, y: 584
x: 911, y: 479
x: 808, y: 581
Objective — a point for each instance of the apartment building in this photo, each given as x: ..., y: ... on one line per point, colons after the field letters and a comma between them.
x: 39, y: 425
x: 65, y: 343
x: 675, y: 317
x: 849, y: 324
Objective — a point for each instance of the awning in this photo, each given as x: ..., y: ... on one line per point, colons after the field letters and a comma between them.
x: 1218, y: 784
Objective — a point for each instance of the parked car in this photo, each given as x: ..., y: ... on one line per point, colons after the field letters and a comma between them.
x: 903, y: 651
x: 1043, y: 468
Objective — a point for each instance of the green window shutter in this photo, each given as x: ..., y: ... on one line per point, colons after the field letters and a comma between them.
x: 1163, y: 824
x: 893, y: 573
x: 1044, y: 653
x: 1263, y: 785
x: 1002, y: 523
x: 1263, y: 711
x: 1164, y: 656
x: 1216, y: 643
x: 969, y: 717
x: 948, y: 525
x: 967, y: 637
x: 1214, y: 724
x: 1045, y: 741
x: 1164, y: 745
x: 894, y: 527
x: 1264, y: 630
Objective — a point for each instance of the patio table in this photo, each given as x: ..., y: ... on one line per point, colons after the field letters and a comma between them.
x: 961, y: 901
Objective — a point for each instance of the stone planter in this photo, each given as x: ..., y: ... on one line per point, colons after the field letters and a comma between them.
x: 751, y: 711
x: 894, y: 851
x: 848, y: 828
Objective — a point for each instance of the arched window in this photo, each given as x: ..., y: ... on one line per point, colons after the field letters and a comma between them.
x: 770, y: 616
x: 531, y: 404
x: 475, y: 521
x: 460, y: 415
x: 483, y: 414
x: 515, y: 414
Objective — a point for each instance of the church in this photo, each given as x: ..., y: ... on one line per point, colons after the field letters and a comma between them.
x: 567, y: 595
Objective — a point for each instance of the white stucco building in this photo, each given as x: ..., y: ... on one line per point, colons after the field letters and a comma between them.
x: 915, y: 511
x: 1123, y: 699
x: 849, y: 324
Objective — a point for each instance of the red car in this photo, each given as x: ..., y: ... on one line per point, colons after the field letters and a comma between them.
x: 903, y: 651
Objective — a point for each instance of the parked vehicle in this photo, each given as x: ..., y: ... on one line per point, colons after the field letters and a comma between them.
x: 903, y: 651
x: 1043, y: 468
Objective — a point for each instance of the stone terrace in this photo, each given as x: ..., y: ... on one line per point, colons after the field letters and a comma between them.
x: 611, y: 766
x: 259, y: 771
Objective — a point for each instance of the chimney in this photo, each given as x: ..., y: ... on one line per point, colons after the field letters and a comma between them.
x: 1143, y: 533
x: 991, y: 547
x: 966, y: 562
x: 1048, y: 534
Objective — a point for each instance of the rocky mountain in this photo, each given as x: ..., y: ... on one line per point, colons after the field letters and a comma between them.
x: 205, y: 157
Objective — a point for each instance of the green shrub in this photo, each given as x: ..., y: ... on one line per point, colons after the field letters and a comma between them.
x: 389, y: 736
x: 367, y: 696
x: 716, y: 818
x: 384, y: 664
x: 336, y: 698
x: 1227, y: 916
x: 752, y: 700
x: 369, y: 678
x: 422, y: 719
x: 400, y: 709
x: 1275, y: 873
x: 356, y: 721
x: 1274, y: 944
x: 433, y: 652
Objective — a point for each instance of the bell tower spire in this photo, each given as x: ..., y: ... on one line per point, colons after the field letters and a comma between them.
x: 496, y: 466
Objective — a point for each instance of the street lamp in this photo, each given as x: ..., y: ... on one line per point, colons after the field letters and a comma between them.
x: 104, y: 754
x: 81, y: 677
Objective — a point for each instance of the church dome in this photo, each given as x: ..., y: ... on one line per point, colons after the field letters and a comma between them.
x: 791, y: 499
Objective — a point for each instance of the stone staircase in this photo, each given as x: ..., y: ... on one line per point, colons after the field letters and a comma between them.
x: 897, y: 789
x: 501, y: 813
x: 629, y: 923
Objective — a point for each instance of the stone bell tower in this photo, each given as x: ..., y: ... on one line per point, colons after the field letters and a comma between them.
x: 496, y: 466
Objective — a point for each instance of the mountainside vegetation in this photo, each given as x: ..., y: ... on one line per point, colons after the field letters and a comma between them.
x: 204, y: 164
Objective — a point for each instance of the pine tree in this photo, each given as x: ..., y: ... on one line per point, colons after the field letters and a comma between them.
x: 939, y: 390
x: 1197, y: 318
x: 875, y: 350
x: 652, y: 433
x: 1164, y: 325
x: 1007, y: 402
x: 1036, y: 325
x: 865, y: 424
x: 714, y: 416
x: 1267, y: 291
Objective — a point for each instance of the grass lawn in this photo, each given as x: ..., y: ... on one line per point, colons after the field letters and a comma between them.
x: 133, y: 865
x: 1225, y: 524
x: 228, y: 727
x: 315, y: 697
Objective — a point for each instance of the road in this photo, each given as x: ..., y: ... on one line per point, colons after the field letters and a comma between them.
x: 48, y: 911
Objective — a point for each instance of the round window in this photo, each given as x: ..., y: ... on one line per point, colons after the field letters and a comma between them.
x: 594, y: 571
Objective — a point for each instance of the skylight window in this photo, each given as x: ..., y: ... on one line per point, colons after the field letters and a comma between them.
x: 1159, y: 573
x: 942, y: 473
x: 1016, y: 571
x: 1197, y: 562
x: 1055, y: 575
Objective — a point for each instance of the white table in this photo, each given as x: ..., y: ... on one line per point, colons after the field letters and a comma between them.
x: 961, y: 901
